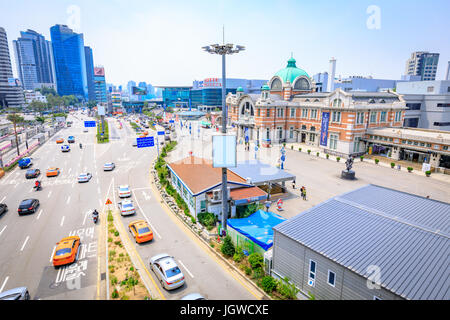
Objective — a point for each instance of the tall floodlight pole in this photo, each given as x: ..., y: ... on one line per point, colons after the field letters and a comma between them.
x: 223, y: 50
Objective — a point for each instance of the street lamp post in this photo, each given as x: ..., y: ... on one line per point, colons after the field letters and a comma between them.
x: 223, y: 50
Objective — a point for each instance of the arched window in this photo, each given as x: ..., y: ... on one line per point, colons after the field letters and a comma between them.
x: 312, y: 128
x: 337, y: 102
x: 247, y: 108
x: 317, y: 100
x: 301, y: 84
x: 276, y: 84
x: 371, y: 101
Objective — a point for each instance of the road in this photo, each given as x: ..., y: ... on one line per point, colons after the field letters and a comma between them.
x: 28, y: 241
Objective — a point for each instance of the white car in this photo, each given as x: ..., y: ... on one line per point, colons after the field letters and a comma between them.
x: 126, y: 207
x: 109, y: 166
x: 85, y: 130
x: 167, y: 271
x: 84, y: 177
x: 124, y: 191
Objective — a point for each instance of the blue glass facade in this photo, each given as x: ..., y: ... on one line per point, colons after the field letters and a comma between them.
x: 70, y: 62
x: 176, y: 96
x: 90, y: 73
x: 208, y: 97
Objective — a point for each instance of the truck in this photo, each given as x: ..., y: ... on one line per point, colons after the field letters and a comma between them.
x: 25, y: 163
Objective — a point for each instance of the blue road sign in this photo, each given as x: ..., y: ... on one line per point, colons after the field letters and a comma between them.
x: 89, y: 124
x: 145, y: 142
x: 160, y: 133
x: 171, y: 121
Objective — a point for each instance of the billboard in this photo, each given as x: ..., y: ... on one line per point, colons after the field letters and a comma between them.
x: 14, y: 82
x: 98, y: 71
x: 324, y: 128
x: 211, y: 83
x: 139, y: 91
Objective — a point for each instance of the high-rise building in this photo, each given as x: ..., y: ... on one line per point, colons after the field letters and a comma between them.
x: 70, y: 61
x: 11, y: 92
x: 34, y: 60
x: 423, y: 64
x: 90, y: 73
x: 100, y: 85
x: 447, y: 76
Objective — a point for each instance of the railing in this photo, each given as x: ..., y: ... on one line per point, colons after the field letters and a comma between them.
x: 34, y: 146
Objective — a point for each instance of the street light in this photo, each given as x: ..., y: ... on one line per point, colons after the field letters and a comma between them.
x: 223, y: 50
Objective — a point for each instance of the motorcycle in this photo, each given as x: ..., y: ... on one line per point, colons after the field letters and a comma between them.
x: 81, y: 146
x: 95, y: 216
x: 37, y: 187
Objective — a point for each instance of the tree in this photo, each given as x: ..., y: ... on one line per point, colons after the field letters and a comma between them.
x: 15, y: 119
x: 38, y: 106
x: 227, y: 247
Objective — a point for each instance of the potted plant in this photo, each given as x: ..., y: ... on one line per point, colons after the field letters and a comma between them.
x: 376, y: 161
x: 428, y: 173
x: 327, y: 155
x: 300, y: 149
x: 362, y: 158
x: 338, y: 159
x: 317, y: 154
x: 309, y: 151
x: 410, y: 169
x: 392, y: 165
x: 292, y: 147
x: 284, y: 144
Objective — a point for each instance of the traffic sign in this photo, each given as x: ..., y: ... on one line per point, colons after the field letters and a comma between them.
x: 89, y: 124
x: 108, y: 201
x: 171, y: 121
x: 145, y: 142
x: 160, y: 133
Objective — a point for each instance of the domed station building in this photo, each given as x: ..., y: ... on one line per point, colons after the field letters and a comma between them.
x: 289, y: 109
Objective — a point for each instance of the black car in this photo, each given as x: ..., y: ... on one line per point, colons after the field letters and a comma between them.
x: 28, y: 206
x: 3, y: 208
x: 32, y: 173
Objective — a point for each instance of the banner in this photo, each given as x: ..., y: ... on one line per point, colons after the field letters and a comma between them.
x: 324, y: 128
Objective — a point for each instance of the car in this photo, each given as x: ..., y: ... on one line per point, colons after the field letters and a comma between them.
x: 20, y: 293
x: 167, y: 271
x: 140, y: 231
x: 25, y: 163
x: 124, y: 191
x: 71, y: 139
x: 85, y: 130
x: 193, y: 296
x: 52, y: 172
x: 66, y: 251
x: 60, y: 140
x: 32, y: 173
x: 28, y: 206
x: 84, y: 177
x: 109, y: 166
x: 3, y: 208
x: 65, y: 148
x: 126, y: 207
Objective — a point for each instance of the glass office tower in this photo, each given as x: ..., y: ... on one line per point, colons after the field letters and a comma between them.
x: 90, y: 73
x: 100, y: 85
x: 70, y: 62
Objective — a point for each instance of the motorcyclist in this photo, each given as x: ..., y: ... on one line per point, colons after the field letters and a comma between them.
x: 81, y: 146
x: 95, y: 214
x: 37, y: 184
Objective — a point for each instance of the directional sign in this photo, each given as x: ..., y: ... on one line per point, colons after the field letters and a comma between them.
x: 161, y: 133
x: 89, y: 124
x: 171, y: 121
x: 145, y: 142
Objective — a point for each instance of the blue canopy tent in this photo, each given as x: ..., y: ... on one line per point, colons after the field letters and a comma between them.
x: 254, y: 233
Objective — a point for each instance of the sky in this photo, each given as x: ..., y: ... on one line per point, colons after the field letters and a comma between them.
x: 160, y: 42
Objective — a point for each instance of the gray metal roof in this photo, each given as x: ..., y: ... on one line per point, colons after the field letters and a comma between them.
x: 260, y: 173
x: 407, y: 236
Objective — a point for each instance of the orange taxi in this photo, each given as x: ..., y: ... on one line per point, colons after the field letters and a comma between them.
x: 145, y: 133
x: 140, y: 231
x: 52, y: 172
x: 66, y: 251
x: 60, y: 140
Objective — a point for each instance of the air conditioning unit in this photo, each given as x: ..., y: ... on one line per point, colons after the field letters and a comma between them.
x: 217, y: 195
x: 268, y: 255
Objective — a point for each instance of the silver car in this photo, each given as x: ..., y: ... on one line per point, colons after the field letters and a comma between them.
x: 167, y: 271
x: 109, y: 166
x: 20, y: 293
x: 193, y: 296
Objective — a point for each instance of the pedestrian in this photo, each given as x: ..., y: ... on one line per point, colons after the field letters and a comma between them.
x: 293, y: 184
x: 304, y: 193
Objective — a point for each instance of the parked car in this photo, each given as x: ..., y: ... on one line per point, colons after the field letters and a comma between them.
x: 84, y: 177
x: 126, y: 207
x: 167, y: 271
x: 20, y: 293
x: 3, y: 208
x: 32, y: 173
x: 109, y: 166
x: 28, y: 206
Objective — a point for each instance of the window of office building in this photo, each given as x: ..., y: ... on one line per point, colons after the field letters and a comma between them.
x: 411, y: 122
x: 413, y: 106
x: 304, y: 113
x: 267, y: 133
x: 443, y: 105
x: 312, y: 137
x: 280, y: 113
x: 360, y: 118
x: 259, y: 112
x: 291, y: 133
x: 336, y: 116
x: 280, y: 132
x: 268, y: 113
x: 333, y: 141
x: 313, y: 114
x: 373, y: 117
x: 398, y: 116
x: 383, y: 116
x: 292, y: 112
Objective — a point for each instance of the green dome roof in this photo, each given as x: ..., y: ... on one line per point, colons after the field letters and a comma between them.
x: 240, y: 89
x: 291, y: 72
x: 265, y: 87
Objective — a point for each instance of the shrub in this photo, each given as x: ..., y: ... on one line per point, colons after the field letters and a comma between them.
x: 248, y: 270
x: 258, y: 273
x: 116, y: 233
x: 410, y: 169
x: 428, y: 172
x: 292, y: 147
x: 256, y: 260
x: 238, y: 254
x: 327, y: 155
x: 338, y: 159
x: 193, y: 220
x: 115, y: 294
x: 227, y: 247
x: 287, y: 289
x: 309, y: 151
x: 300, y: 149
x: 268, y: 284
x: 376, y: 161
x: 392, y: 164
x: 207, y: 219
x: 317, y: 154
x: 362, y: 158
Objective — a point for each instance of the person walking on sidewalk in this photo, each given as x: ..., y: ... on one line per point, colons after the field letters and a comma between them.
x: 293, y: 184
x: 303, y: 191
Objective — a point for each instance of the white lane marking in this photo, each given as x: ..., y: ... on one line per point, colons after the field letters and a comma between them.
x: 62, y: 221
x: 3, y: 230
x: 153, y: 229
x: 4, y: 283
x: 68, y: 200
x: 186, y: 268
x: 39, y: 214
x: 147, y: 197
x: 3, y: 199
x: 53, y: 252
x: 25, y: 242
x: 98, y: 189
x: 15, y: 186
x: 73, y: 183
x: 49, y: 194
x: 100, y: 202
x: 98, y: 181
x: 85, y: 216
x: 70, y: 170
